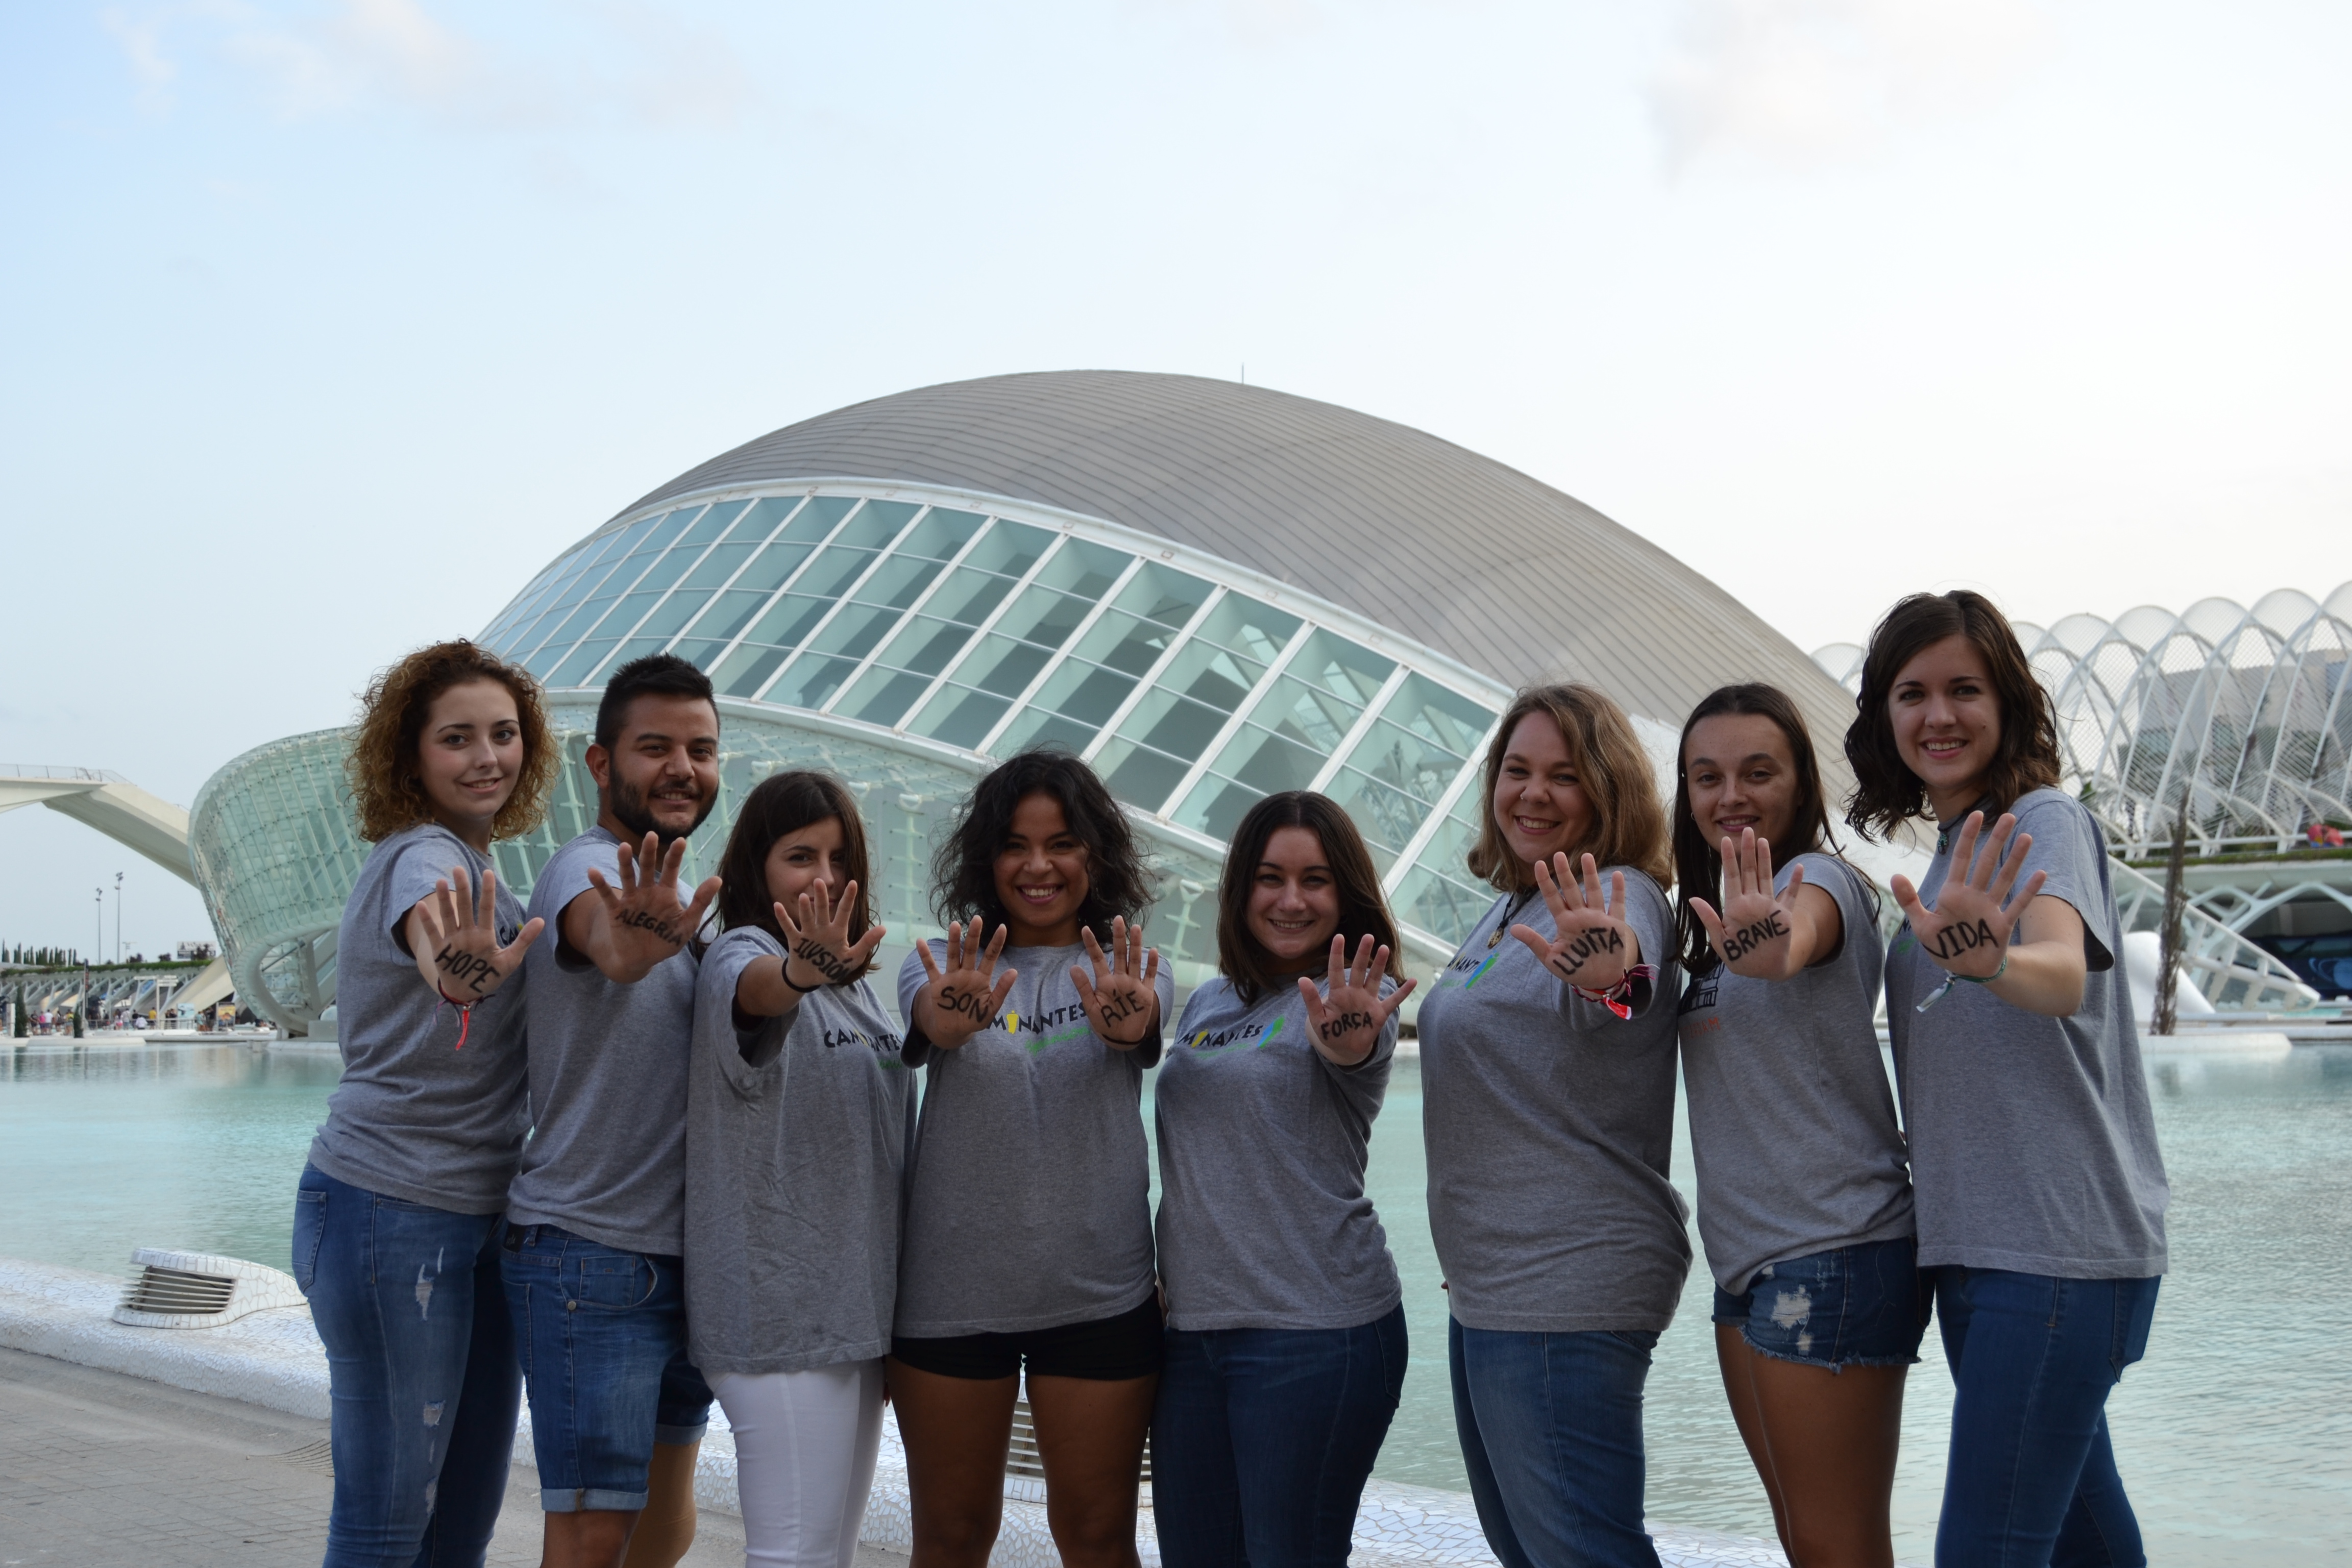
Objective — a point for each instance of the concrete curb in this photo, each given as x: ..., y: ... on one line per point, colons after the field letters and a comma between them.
x: 273, y: 1359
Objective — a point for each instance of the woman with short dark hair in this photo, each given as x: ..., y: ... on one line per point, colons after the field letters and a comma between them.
x: 1285, y: 1324
x: 399, y: 1212
x: 2039, y: 1191
x: 799, y: 1115
x: 1028, y: 1237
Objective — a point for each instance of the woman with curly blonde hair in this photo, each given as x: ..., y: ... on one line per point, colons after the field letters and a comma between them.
x: 397, y: 1218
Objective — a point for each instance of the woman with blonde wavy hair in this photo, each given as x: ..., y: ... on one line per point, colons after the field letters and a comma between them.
x: 397, y: 1218
x: 1548, y: 1104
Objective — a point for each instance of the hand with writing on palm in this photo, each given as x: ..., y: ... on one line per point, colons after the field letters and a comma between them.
x: 645, y: 920
x: 965, y: 992
x: 1967, y: 930
x: 817, y: 948
x: 1751, y: 934
x: 1594, y: 947
x: 462, y: 935
x: 1346, y: 1023
x: 1120, y: 999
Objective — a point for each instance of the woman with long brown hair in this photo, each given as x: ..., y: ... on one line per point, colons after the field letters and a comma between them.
x: 800, y: 1113
x: 398, y: 1215
x: 1548, y: 1100
x: 1286, y: 1347
x: 1804, y: 1201
x: 2040, y: 1192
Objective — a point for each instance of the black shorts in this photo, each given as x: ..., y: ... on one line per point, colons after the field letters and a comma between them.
x: 1108, y: 1350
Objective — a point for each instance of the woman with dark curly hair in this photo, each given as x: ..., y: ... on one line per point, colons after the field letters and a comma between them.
x: 397, y: 1218
x: 2039, y: 1191
x: 1028, y: 1237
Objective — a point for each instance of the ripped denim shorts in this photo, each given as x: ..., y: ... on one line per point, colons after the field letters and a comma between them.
x: 1850, y: 1306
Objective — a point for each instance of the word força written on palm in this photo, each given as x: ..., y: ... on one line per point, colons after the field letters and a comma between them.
x: 1342, y: 1023
x: 1738, y: 944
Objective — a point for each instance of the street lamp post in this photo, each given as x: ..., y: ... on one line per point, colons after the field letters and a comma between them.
x: 118, y: 917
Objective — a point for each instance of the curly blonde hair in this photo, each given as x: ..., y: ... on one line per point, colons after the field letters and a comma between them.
x: 386, y: 792
x: 1629, y: 825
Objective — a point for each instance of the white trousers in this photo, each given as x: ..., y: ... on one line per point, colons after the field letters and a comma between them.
x: 804, y: 1447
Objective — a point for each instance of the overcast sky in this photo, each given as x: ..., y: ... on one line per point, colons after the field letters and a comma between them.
x: 328, y: 324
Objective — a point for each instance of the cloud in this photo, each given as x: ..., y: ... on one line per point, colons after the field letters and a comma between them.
x: 141, y: 42
x: 369, y: 54
x: 1809, y: 81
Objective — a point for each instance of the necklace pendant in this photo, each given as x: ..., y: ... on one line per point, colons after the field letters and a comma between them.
x: 1496, y: 939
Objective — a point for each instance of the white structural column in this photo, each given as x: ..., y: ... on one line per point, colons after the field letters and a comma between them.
x: 114, y: 805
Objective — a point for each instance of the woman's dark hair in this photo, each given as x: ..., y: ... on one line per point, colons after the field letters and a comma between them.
x: 1886, y: 794
x: 1698, y: 862
x: 1629, y: 826
x: 384, y: 766
x: 782, y: 804
x: 964, y: 870
x: 1363, y: 911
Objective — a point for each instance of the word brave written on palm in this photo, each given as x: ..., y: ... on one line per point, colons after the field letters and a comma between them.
x: 1118, y: 996
x: 1967, y: 930
x: 966, y: 991
x: 460, y: 956
x: 818, y: 941
x: 1751, y: 934
x: 1345, y: 1019
x: 646, y: 921
x: 1593, y: 947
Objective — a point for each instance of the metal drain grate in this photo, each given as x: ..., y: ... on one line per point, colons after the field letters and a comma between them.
x: 160, y: 1289
x: 318, y: 1457
x: 1024, y: 1460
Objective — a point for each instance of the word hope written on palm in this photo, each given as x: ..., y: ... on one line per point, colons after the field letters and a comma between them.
x: 819, y: 940
x: 1118, y: 996
x: 1345, y: 1019
x: 1967, y: 930
x: 1593, y: 947
x: 462, y: 931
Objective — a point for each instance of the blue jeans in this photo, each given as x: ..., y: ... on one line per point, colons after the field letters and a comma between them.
x: 1551, y: 1435
x: 1262, y: 1441
x: 421, y: 1365
x: 2031, y: 1476
x: 1850, y: 1306
x: 602, y: 1335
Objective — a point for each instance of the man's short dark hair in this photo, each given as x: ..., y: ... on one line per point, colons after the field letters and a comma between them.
x: 655, y: 675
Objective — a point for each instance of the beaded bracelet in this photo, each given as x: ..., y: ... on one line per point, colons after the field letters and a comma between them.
x: 1938, y: 994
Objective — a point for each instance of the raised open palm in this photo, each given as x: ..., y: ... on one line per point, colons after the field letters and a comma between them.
x: 1594, y: 947
x: 966, y: 993
x: 461, y: 938
x: 1345, y: 1020
x: 646, y: 920
x: 1120, y: 1000
x: 1752, y: 933
x: 1967, y: 930
x: 818, y: 941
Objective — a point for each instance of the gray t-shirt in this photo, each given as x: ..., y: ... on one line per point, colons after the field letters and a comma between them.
x: 1029, y: 1206
x: 796, y: 1161
x: 2032, y: 1148
x: 1264, y: 1223
x: 1792, y: 1124
x: 607, y: 1153
x: 1550, y: 1121
x: 414, y: 1117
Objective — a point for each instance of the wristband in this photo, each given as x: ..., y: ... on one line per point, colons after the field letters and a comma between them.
x: 784, y: 972
x: 1619, y: 998
x: 1938, y: 994
x: 465, y: 1013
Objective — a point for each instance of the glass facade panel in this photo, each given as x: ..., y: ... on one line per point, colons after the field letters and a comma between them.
x: 1102, y: 670
x: 778, y: 632
x: 1294, y: 729
x: 983, y: 687
x: 1416, y: 747
x: 903, y: 671
x: 1439, y: 894
x: 1178, y: 719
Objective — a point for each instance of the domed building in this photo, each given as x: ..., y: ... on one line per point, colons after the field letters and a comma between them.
x: 1210, y: 591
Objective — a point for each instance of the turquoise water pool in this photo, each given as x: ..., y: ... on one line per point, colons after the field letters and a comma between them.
x: 2235, y: 1434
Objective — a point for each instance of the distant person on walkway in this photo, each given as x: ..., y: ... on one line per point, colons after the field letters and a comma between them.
x: 1286, y: 1347
x: 397, y: 1216
x: 2040, y: 1189
x: 596, y: 1220
x: 1547, y: 1106
x: 1029, y: 1216
x: 1804, y: 1200
x: 801, y: 1113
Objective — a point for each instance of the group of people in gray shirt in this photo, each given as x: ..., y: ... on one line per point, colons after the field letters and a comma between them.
x: 731, y: 1188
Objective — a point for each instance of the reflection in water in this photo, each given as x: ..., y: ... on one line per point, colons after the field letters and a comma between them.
x: 2235, y: 1434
